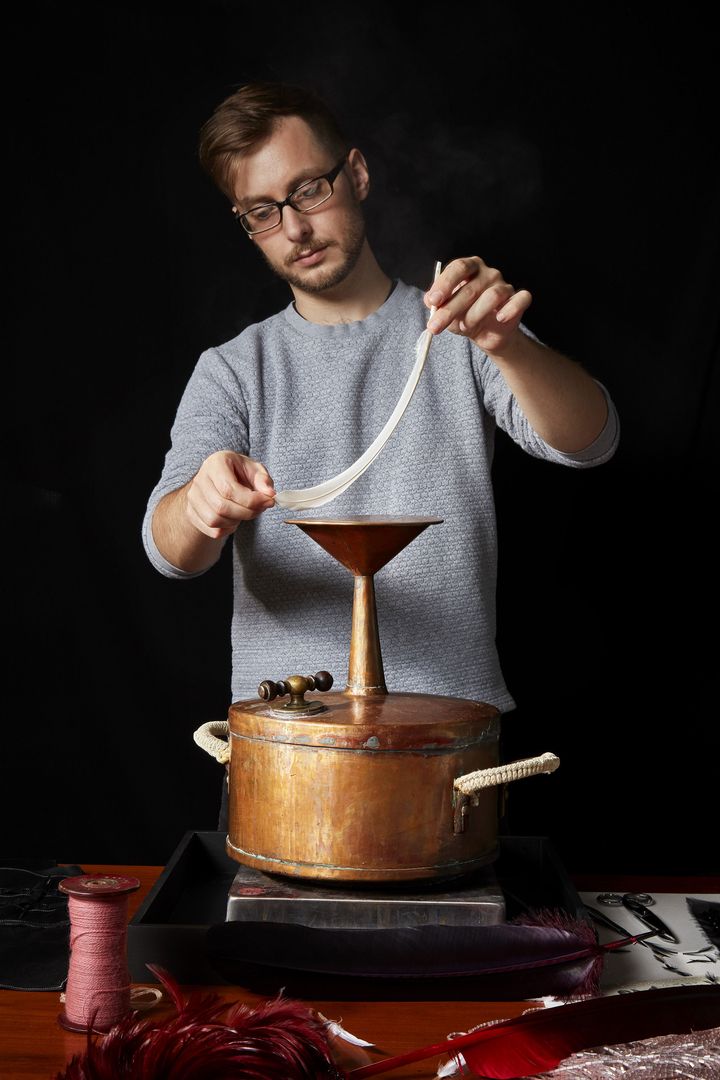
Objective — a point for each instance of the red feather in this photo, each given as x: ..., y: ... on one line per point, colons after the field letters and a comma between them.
x: 210, y: 1040
x: 541, y: 1038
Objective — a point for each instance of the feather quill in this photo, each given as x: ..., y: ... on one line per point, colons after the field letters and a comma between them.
x: 319, y: 494
x: 541, y: 1038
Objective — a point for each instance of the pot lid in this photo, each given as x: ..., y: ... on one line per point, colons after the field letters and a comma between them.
x: 428, y: 723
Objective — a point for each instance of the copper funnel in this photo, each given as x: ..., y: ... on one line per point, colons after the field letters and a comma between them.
x: 364, y: 545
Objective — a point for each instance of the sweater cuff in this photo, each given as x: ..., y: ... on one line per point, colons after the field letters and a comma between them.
x: 602, y: 448
x: 154, y: 554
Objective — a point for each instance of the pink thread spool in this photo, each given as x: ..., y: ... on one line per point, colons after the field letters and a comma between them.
x: 97, y: 992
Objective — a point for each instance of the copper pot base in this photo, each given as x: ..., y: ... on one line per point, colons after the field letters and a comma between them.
x: 359, y: 874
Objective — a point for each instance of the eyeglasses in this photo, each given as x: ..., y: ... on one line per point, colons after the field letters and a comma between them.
x: 304, y: 198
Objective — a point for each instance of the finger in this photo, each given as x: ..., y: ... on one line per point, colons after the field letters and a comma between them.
x: 515, y: 306
x: 221, y: 505
x: 241, y: 503
x: 201, y: 514
x: 499, y: 304
x: 258, y: 477
x: 484, y: 308
x: 472, y: 303
x: 233, y: 476
x: 453, y: 275
x: 465, y: 294
x: 208, y: 530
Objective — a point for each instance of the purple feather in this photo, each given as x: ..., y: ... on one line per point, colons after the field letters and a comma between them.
x: 546, y: 953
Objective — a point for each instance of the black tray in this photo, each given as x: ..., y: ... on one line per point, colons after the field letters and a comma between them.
x: 182, y: 916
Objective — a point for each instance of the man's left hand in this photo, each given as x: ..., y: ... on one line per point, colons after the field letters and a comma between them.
x: 474, y: 300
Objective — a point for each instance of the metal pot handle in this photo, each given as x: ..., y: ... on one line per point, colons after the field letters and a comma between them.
x: 209, y: 738
x: 473, y: 782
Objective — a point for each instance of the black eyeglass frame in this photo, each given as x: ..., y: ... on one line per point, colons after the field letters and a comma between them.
x: 329, y: 176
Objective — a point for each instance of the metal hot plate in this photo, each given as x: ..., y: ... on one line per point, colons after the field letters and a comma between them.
x: 471, y: 900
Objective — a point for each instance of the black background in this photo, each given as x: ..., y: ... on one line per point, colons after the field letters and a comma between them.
x: 576, y: 148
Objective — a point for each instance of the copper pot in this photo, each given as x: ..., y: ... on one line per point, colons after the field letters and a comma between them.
x: 362, y: 785
x: 362, y: 791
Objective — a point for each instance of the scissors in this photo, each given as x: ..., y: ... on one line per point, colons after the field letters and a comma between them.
x: 639, y: 904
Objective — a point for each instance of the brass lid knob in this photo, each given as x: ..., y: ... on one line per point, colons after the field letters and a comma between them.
x: 296, y: 686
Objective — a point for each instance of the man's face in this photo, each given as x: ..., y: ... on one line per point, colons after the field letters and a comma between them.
x: 317, y: 250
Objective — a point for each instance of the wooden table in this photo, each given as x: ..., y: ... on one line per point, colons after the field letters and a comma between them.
x: 33, y: 1046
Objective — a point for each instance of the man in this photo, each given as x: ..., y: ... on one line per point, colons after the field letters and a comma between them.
x: 295, y: 399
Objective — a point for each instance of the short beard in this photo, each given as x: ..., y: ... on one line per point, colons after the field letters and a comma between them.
x: 351, y: 246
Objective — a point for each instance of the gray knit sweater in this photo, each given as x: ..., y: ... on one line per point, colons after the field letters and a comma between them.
x: 306, y: 400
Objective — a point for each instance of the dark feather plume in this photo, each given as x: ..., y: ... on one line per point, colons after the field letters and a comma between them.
x: 208, y: 1039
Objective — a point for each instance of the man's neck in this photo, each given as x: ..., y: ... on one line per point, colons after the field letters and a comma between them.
x: 362, y: 292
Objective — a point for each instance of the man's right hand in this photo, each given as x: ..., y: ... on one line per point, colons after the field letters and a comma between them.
x: 228, y: 488
x: 190, y: 525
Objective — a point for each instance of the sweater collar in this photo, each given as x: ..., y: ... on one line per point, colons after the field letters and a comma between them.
x: 387, y: 310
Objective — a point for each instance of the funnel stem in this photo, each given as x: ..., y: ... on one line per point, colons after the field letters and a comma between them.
x: 365, y: 673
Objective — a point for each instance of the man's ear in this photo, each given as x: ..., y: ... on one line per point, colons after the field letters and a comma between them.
x: 359, y: 174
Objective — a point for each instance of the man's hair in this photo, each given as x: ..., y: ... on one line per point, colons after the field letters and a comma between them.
x: 246, y: 118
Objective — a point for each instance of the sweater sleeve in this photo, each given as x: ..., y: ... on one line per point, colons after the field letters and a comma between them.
x: 501, y: 403
x: 211, y: 416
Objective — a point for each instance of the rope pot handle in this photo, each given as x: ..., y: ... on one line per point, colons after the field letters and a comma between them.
x: 473, y: 782
x: 213, y: 738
